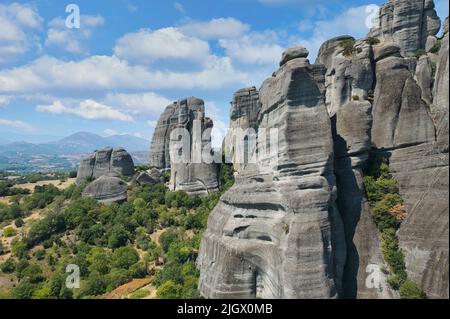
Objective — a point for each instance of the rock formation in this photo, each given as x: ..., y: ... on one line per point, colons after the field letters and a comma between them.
x: 150, y: 177
x: 191, y: 173
x: 107, y: 189
x: 105, y: 161
x: 277, y: 233
x: 245, y: 109
x: 303, y: 228
x: 408, y: 23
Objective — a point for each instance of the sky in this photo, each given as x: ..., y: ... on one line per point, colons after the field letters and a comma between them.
x: 129, y: 59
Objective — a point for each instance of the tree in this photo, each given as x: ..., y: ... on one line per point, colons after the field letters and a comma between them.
x: 8, y: 266
x: 99, y: 260
x: 168, y: 237
x: 24, y: 290
x: 169, y: 290
x: 118, y: 236
x: 124, y: 257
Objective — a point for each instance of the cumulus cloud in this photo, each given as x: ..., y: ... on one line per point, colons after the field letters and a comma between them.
x: 254, y: 48
x: 17, y: 124
x: 100, y: 73
x: 221, y: 28
x: 4, y: 100
x: 147, y: 103
x: 18, y: 21
x: 71, y: 40
x: 111, y: 132
x: 146, y: 46
x: 350, y: 22
x: 87, y: 109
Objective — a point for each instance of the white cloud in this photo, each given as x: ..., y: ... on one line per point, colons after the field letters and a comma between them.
x: 179, y: 7
x: 100, y: 73
x: 147, y: 46
x: 147, y: 103
x: 17, y: 124
x: 350, y: 22
x: 87, y: 109
x: 254, y: 48
x: 4, y: 100
x: 152, y: 124
x: 111, y: 132
x: 71, y: 40
x: 221, y: 28
x: 16, y: 37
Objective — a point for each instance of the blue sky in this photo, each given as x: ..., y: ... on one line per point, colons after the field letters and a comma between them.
x: 131, y: 58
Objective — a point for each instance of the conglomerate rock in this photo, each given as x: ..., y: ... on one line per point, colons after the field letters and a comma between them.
x: 408, y: 23
x: 105, y: 161
x: 107, y: 189
x: 192, y: 173
x: 277, y: 232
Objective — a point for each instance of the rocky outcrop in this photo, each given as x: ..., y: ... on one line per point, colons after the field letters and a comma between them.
x: 107, y: 189
x: 408, y: 23
x: 302, y: 228
x: 348, y: 78
x: 245, y: 109
x: 277, y: 233
x: 151, y: 177
x: 190, y: 171
x: 159, y: 149
x: 105, y: 161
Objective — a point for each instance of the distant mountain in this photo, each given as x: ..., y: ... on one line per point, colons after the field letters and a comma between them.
x: 78, y: 143
x: 11, y: 137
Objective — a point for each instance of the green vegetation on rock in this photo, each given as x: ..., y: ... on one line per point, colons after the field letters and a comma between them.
x: 388, y: 212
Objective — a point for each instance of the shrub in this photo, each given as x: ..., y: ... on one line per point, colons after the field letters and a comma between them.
x: 19, y: 222
x: 8, y: 266
x: 348, y: 46
x: 24, y: 290
x: 373, y: 40
x: 409, y: 290
x: 9, y: 232
x: 169, y: 290
x: 437, y: 47
x: 140, y: 294
x: 420, y: 53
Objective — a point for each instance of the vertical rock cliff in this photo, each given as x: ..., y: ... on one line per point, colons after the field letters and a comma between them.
x: 277, y: 233
x: 193, y: 174
x: 304, y: 228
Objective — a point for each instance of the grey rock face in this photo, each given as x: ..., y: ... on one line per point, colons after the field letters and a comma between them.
x: 329, y: 48
x: 151, y: 177
x: 107, y: 189
x: 105, y: 161
x: 310, y: 210
x: 277, y: 233
x: 159, y: 149
x: 244, y: 115
x: 348, y: 77
x: 193, y: 175
x: 423, y: 175
x: 122, y: 163
x: 407, y: 23
x: 423, y: 76
x: 293, y: 53
x: 400, y: 115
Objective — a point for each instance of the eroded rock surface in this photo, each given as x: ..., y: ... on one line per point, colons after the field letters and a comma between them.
x: 107, y: 189
x: 277, y: 233
x: 303, y: 229
x: 408, y: 23
x: 192, y: 174
x: 105, y: 161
